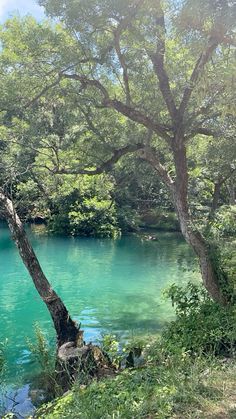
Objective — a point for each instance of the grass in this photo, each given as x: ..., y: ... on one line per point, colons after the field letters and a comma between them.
x: 165, y: 386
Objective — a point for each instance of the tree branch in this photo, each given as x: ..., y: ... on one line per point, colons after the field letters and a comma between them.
x: 137, y: 116
x: 124, y: 67
x: 85, y: 82
x: 216, y: 196
x: 149, y: 154
x: 157, y: 59
x: 44, y: 90
x: 105, y: 166
x: 203, y: 131
x: 90, y: 123
x: 134, y: 114
x: 199, y: 66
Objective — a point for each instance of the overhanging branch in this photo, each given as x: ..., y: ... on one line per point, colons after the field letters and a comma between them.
x: 128, y: 111
x: 137, y: 116
x: 105, y: 166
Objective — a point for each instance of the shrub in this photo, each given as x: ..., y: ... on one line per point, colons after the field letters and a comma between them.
x: 86, y: 209
x: 93, y: 217
x: 224, y: 223
x: 201, y: 325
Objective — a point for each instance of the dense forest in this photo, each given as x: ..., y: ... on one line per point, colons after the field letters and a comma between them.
x: 118, y: 117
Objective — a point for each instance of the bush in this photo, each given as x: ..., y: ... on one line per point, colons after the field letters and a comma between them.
x: 93, y: 217
x: 201, y: 325
x: 86, y: 209
x: 127, y: 218
x: 224, y: 223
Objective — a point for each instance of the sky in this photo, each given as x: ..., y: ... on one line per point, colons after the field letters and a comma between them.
x: 23, y: 7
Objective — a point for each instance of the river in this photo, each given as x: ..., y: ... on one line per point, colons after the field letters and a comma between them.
x: 110, y: 286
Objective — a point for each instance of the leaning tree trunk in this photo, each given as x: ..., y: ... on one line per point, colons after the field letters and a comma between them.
x: 73, y: 355
x: 66, y: 328
x: 195, y: 239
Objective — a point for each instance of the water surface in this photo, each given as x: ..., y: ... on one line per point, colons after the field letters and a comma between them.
x: 110, y: 286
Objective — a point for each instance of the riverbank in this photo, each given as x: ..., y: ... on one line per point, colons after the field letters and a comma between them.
x: 177, y: 386
x: 186, y: 372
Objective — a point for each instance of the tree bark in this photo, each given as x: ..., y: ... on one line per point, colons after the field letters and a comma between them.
x: 193, y: 237
x: 66, y: 328
x: 232, y: 194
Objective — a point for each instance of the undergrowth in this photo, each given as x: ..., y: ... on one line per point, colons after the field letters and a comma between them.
x: 187, y: 372
x: 166, y: 386
x: 44, y: 357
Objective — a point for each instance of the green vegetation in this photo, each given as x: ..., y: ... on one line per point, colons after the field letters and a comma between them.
x: 189, y: 371
x: 173, y: 387
x: 116, y: 115
x: 202, y: 326
x: 160, y: 220
x: 45, y: 357
x: 84, y: 207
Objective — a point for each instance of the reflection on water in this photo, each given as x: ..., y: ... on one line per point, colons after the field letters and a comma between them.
x: 108, y: 285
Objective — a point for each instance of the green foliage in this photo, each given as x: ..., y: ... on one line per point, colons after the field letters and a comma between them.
x: 159, y: 219
x: 93, y: 218
x: 70, y: 128
x: 166, y: 386
x: 45, y: 357
x: 84, y: 207
x: 201, y: 325
x: 40, y: 349
x: 127, y: 218
x: 224, y: 223
x: 110, y: 345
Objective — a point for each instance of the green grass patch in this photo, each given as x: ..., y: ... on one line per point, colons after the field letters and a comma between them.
x: 166, y: 386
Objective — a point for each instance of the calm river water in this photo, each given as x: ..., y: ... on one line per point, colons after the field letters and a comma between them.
x: 112, y: 286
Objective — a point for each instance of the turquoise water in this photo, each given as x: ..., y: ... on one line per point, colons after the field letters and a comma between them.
x: 108, y: 285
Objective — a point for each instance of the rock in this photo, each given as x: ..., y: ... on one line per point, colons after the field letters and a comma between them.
x: 18, y: 403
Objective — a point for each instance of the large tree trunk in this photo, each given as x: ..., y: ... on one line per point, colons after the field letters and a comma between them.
x: 66, y: 328
x: 195, y: 239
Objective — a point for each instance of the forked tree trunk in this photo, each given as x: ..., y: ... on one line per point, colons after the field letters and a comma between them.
x: 193, y: 237
x: 66, y: 328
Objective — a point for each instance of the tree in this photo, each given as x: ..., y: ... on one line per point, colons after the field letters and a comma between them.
x: 14, y: 164
x: 66, y: 328
x: 166, y: 67
x: 127, y: 38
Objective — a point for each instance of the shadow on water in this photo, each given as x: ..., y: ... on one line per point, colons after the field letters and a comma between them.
x: 130, y: 322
